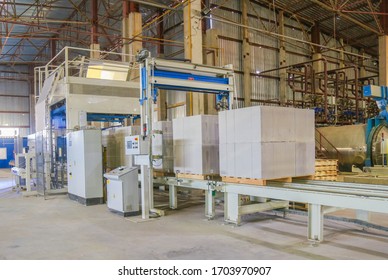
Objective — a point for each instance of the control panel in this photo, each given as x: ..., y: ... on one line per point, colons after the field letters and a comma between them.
x: 135, y: 145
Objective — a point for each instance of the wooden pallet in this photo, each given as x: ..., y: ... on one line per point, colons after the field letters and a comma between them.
x: 254, y: 181
x: 198, y: 176
x: 158, y: 173
x: 325, y: 178
x: 310, y: 177
x: 240, y: 180
x: 326, y: 162
x: 326, y: 173
x: 326, y: 168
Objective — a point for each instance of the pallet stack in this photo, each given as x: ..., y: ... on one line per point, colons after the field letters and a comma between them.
x: 326, y: 169
x: 265, y: 143
x: 196, y: 149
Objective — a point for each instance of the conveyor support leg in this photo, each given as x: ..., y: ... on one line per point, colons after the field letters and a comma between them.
x: 315, y: 226
x: 210, y: 211
x: 232, y: 205
x: 173, y: 192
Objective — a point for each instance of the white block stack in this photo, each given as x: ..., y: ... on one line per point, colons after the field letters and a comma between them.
x: 266, y: 142
x: 162, y: 145
x: 196, y: 145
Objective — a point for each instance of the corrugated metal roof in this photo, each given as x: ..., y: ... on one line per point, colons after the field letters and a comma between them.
x: 352, y: 20
x: 26, y: 26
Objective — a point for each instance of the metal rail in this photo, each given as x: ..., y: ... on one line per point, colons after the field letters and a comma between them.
x: 321, y: 196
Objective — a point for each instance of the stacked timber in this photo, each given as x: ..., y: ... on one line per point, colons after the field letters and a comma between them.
x: 326, y: 169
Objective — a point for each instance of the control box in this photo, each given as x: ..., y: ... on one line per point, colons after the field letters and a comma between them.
x: 135, y: 145
x: 123, y: 190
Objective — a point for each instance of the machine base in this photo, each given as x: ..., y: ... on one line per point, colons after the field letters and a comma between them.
x: 125, y: 214
x: 86, y: 201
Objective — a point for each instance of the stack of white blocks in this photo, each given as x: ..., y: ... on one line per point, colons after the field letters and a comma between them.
x: 162, y: 145
x: 196, y: 145
x: 266, y: 142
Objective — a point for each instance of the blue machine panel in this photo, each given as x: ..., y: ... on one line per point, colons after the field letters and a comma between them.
x: 375, y: 91
x: 7, y: 143
x: 190, y: 77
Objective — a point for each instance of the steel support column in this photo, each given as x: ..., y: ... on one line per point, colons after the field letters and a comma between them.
x: 342, y: 55
x: 315, y: 226
x: 212, y: 58
x: 315, y: 38
x: 195, y: 102
x: 162, y: 98
x: 135, y: 28
x: 94, y: 45
x: 383, y: 47
x: 246, y: 53
x: 125, y: 31
x: 210, y: 210
x: 282, y: 62
x: 232, y: 202
x: 173, y: 195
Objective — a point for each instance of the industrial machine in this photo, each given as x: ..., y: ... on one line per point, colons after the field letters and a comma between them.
x: 160, y: 74
x: 123, y: 190
x: 71, y: 90
x: 22, y: 170
x: 361, y: 144
x: 84, y: 166
x: 377, y: 126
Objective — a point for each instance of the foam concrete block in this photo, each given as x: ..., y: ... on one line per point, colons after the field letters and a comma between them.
x: 267, y: 126
x: 231, y: 158
x: 243, y: 125
x: 177, y: 129
x: 304, y: 125
x: 230, y: 126
x: 222, y: 126
x: 243, y: 160
x: 199, y: 137
x: 192, y: 130
x: 179, y: 159
x: 223, y: 159
x: 258, y: 168
x: 305, y: 159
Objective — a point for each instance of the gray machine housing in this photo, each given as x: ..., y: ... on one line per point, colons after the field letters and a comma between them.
x: 84, y: 166
x: 123, y: 191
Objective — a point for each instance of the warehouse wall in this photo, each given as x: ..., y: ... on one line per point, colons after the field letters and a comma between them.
x: 264, y: 49
x: 14, y: 99
x: 173, y: 32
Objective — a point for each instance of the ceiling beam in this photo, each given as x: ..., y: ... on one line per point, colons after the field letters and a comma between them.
x: 345, y: 16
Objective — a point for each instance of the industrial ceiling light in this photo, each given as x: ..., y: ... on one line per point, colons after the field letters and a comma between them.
x: 205, y: 11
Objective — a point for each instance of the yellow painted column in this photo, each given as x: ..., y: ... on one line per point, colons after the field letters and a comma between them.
x: 195, y: 102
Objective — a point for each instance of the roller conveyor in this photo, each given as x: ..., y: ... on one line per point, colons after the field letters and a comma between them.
x: 322, y: 197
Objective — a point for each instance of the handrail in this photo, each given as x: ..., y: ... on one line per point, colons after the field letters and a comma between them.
x: 319, y: 141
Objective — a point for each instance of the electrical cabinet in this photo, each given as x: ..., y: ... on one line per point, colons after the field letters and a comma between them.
x: 123, y: 190
x: 84, y: 166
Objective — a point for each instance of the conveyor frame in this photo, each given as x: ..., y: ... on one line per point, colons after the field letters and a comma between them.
x: 321, y: 196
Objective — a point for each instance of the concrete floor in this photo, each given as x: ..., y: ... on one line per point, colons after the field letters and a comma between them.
x: 57, y: 228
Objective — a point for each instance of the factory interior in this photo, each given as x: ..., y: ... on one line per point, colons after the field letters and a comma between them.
x: 194, y: 130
